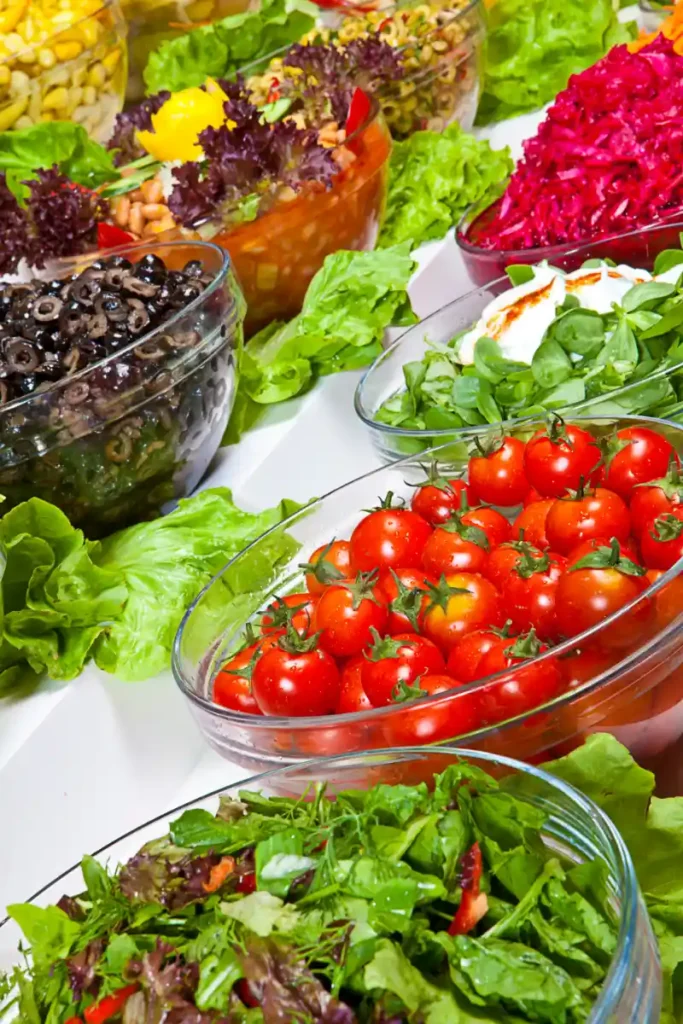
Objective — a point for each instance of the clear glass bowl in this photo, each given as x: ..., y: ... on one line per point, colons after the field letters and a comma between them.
x: 114, y: 443
x: 276, y: 256
x: 635, y: 248
x: 78, y: 74
x: 576, y: 831
x: 638, y: 694
x: 385, y: 377
x: 653, y: 14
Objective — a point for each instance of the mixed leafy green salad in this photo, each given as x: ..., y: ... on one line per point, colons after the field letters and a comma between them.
x: 400, y: 903
x: 623, y: 361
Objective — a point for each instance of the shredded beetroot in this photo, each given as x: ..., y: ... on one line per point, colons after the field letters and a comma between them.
x: 607, y: 158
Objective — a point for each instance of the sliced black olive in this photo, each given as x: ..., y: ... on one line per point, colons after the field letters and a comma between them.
x: 76, y: 392
x: 53, y: 287
x: 137, y: 320
x: 191, y: 291
x: 85, y: 290
x: 193, y: 268
x: 72, y: 319
x: 4, y: 392
x: 151, y: 268
x: 149, y: 350
x: 27, y: 384
x: 119, y: 449
x: 119, y: 261
x: 134, y: 286
x: 22, y: 356
x: 181, y: 339
x: 98, y: 325
x: 113, y: 278
x: 113, y: 307
x: 48, y: 308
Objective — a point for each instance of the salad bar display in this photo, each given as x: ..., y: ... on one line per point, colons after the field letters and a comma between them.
x: 240, y: 213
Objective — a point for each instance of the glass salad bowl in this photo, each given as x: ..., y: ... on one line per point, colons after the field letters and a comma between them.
x: 276, y: 256
x: 656, y: 393
x: 634, y: 248
x: 635, y: 693
x: 117, y: 441
x: 76, y: 74
x: 575, y: 831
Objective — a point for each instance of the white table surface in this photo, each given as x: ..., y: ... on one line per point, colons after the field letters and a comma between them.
x: 82, y: 763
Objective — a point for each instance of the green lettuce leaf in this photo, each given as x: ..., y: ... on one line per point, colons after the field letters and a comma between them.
x: 64, y: 143
x: 350, y: 302
x: 533, y: 47
x: 434, y: 177
x: 165, y: 564
x: 221, y: 49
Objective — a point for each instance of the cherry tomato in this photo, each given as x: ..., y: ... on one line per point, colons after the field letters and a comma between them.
x: 455, y: 547
x: 465, y: 657
x: 393, y: 663
x: 328, y: 564
x: 296, y: 678
x: 502, y: 560
x: 530, y: 684
x: 661, y: 542
x: 578, y: 669
x: 627, y: 549
x: 455, y: 716
x: 655, y: 498
x: 598, y: 513
x: 530, y: 523
x: 532, y: 497
x: 438, y: 498
x: 496, y: 527
x: 459, y: 604
x: 668, y: 599
x: 389, y: 538
x: 559, y: 459
x: 300, y: 607
x: 404, y: 591
x: 232, y: 686
x: 346, y: 614
x: 352, y: 696
x: 498, y: 476
x: 597, y: 586
x: 635, y: 456
x: 530, y: 592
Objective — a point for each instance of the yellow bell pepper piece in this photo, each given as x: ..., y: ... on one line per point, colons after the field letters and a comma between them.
x: 177, y: 124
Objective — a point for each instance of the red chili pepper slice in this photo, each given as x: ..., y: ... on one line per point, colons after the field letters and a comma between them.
x: 473, y: 902
x: 359, y: 110
x: 247, y: 883
x: 73, y: 1020
x: 109, y: 236
x: 243, y: 989
x: 110, y: 1005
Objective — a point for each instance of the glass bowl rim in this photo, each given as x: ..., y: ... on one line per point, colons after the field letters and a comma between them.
x: 121, y: 26
x: 546, y: 252
x: 61, y: 266
x: 301, y: 724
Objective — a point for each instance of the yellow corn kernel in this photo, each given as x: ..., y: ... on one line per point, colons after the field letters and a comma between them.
x: 89, y: 95
x: 78, y: 75
x: 57, y: 99
x: 10, y: 17
x: 13, y: 42
x: 24, y: 122
x: 20, y: 83
x: 10, y: 113
x: 47, y: 115
x: 67, y: 51
x: 89, y: 32
x: 111, y: 60
x: 4, y: 74
x: 97, y: 76
x: 46, y: 58
x: 75, y: 95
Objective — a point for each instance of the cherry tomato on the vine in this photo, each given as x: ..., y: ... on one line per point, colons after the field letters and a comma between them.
x: 328, y: 564
x: 436, y: 499
x: 352, y: 696
x: 465, y: 657
x: 405, y: 594
x: 459, y: 604
x: 389, y: 538
x: 655, y: 498
x: 232, y: 685
x: 299, y: 608
x: 596, y: 513
x: 455, y: 716
x: 346, y: 614
x: 627, y: 549
x: 296, y: 677
x: 635, y: 456
x: 661, y: 542
x: 455, y: 547
x: 529, y: 684
x: 530, y: 594
x: 560, y: 458
x: 393, y: 663
x: 498, y: 476
x: 502, y: 560
x: 530, y: 523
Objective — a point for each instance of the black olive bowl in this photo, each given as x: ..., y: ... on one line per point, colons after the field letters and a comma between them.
x: 120, y: 439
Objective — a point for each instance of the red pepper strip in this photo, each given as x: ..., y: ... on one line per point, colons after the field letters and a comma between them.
x: 219, y: 873
x: 243, y: 989
x: 110, y: 1005
x: 247, y: 883
x: 359, y: 110
x: 73, y: 1020
x: 473, y: 902
x: 109, y: 236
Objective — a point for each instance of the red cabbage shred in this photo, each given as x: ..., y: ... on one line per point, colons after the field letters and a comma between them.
x: 608, y: 157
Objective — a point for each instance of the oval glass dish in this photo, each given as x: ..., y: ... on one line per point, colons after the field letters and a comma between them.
x: 117, y: 441
x: 575, y: 831
x: 78, y: 74
x: 634, y: 248
x: 637, y: 695
x: 385, y: 377
x: 276, y: 256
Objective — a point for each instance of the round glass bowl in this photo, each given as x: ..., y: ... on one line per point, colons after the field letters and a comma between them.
x: 114, y: 443
x: 575, y: 831
x: 76, y: 74
x: 637, y: 695
x: 276, y: 256
x: 636, y: 248
x: 385, y: 377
